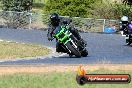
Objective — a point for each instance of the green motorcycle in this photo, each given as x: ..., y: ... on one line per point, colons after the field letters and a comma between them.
x: 71, y: 44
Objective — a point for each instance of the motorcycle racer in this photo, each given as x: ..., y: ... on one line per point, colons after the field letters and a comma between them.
x: 55, y: 21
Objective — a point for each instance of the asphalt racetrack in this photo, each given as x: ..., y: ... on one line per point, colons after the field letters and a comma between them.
x: 103, y: 48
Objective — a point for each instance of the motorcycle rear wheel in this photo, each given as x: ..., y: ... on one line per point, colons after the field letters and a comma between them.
x: 84, y: 53
x: 128, y: 41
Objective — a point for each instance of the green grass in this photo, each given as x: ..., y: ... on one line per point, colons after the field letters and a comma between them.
x: 53, y: 80
x: 11, y: 50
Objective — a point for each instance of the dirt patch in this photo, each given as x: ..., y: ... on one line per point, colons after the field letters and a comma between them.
x: 61, y: 68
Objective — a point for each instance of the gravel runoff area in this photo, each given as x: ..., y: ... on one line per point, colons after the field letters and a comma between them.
x: 13, y: 69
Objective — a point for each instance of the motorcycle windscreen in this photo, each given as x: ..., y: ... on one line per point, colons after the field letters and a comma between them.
x: 57, y: 30
x: 60, y: 33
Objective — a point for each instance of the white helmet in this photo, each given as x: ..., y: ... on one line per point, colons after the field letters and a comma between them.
x: 124, y: 18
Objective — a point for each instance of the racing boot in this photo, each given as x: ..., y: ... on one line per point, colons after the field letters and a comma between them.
x: 60, y: 48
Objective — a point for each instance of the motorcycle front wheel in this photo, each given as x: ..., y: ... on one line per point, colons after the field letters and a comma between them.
x: 73, y: 50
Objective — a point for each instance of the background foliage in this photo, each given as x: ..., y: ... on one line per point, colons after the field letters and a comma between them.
x: 88, y: 8
x: 111, y: 10
x: 77, y: 8
x: 17, y: 5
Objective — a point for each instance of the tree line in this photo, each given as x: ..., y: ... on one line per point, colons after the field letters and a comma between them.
x: 89, y: 8
x: 74, y: 8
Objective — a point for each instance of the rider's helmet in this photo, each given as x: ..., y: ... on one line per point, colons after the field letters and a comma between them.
x: 55, y: 19
x: 124, y: 20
